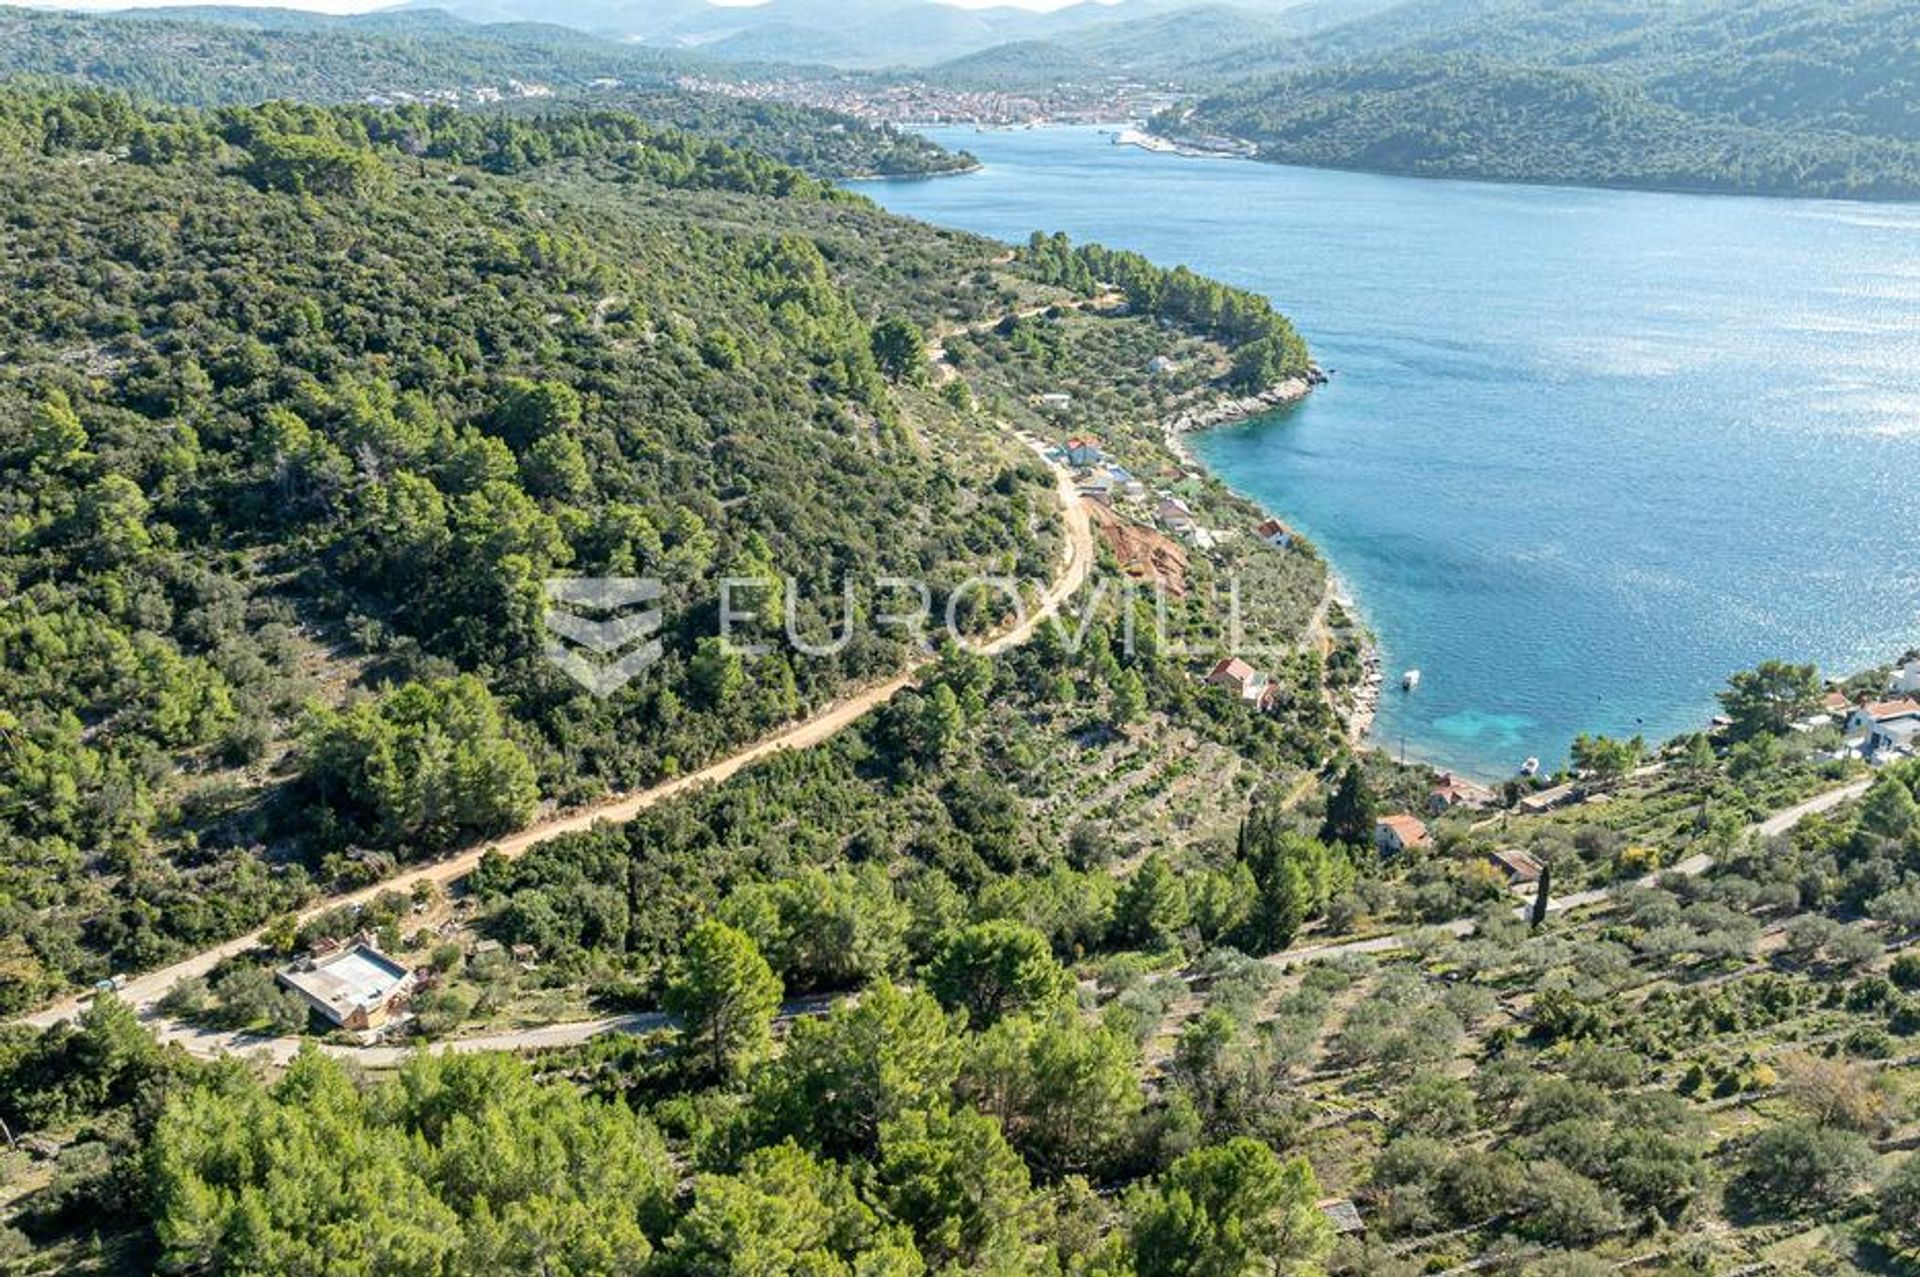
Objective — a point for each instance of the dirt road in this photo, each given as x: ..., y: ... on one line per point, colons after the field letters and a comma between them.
x: 207, y: 1043
x: 143, y: 992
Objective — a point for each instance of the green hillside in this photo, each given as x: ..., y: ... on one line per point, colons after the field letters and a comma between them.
x: 206, y: 58
x: 344, y: 934
x: 1783, y: 97
x: 300, y: 400
x: 210, y: 57
x: 1802, y: 97
x: 1471, y: 117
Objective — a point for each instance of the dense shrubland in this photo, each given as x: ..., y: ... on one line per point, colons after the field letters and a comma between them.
x: 299, y: 407
x: 1547, y: 1099
x: 1267, y: 348
x: 1783, y: 97
x: 235, y: 58
x: 303, y: 404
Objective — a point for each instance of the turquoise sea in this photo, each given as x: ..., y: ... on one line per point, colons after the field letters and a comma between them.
x: 1584, y: 452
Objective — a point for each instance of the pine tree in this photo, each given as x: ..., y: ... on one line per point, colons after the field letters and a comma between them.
x: 1351, y: 811
x: 724, y: 995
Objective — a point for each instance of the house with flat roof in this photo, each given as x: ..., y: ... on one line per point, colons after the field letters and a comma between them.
x: 357, y: 987
x: 1550, y: 799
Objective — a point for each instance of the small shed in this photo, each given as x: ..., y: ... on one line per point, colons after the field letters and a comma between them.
x: 1343, y: 1215
x: 1520, y: 868
x: 1549, y: 799
x: 1451, y: 791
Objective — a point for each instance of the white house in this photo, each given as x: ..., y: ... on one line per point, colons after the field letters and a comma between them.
x: 1906, y: 679
x: 1865, y: 718
x: 1274, y: 532
x: 1895, y: 738
x: 354, y: 988
x: 1884, y: 730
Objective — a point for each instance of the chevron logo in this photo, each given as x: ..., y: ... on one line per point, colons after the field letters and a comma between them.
x: 594, y: 636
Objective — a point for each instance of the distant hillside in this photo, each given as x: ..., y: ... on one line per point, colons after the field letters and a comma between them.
x: 222, y: 56
x: 1196, y: 46
x: 850, y: 34
x: 1026, y: 65
x: 210, y: 56
x: 1464, y: 117
x: 1808, y: 97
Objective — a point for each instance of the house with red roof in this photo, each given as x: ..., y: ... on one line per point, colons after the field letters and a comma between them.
x: 1878, y: 714
x: 1451, y: 791
x: 1394, y: 835
x: 1885, y: 730
x: 1084, y: 450
x: 1276, y: 533
x: 1240, y: 678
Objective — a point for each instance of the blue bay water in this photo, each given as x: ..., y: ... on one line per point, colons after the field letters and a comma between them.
x: 1585, y: 452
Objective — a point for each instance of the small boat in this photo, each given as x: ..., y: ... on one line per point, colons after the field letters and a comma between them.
x: 1410, y: 680
x: 1530, y: 768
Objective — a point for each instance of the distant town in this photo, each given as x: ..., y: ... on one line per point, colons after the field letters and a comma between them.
x: 916, y: 102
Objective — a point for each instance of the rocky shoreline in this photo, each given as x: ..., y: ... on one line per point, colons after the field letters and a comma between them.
x: 1227, y: 410
x: 958, y: 170
x: 1359, y: 713
x: 1365, y: 705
